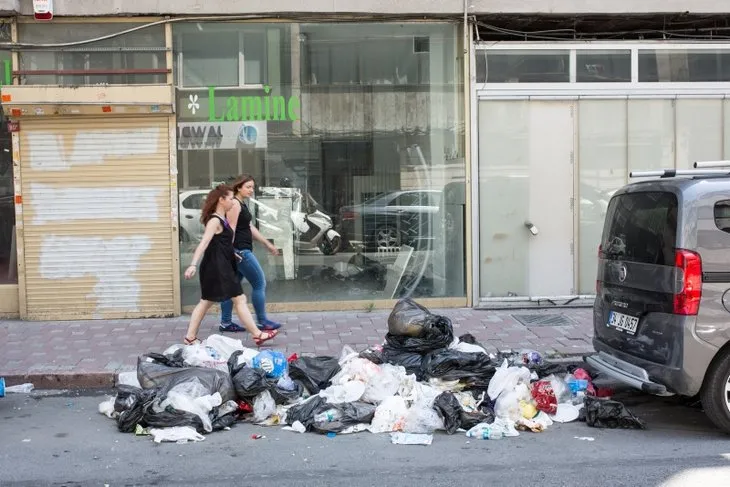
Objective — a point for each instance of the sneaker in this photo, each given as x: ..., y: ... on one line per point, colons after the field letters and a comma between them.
x: 231, y: 327
x: 267, y: 325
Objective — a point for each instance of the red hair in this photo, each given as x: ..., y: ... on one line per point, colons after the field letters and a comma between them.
x: 211, y: 201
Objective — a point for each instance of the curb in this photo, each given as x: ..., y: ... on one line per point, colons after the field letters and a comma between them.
x: 107, y: 380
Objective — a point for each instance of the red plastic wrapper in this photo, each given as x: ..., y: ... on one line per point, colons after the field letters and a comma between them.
x: 292, y: 358
x: 581, y: 374
x: 245, y: 407
x: 544, y: 395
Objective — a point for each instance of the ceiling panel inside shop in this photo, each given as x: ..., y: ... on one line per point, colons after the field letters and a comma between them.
x: 550, y: 28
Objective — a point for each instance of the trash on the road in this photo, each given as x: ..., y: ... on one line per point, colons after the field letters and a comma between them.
x: 410, y: 439
x: 422, y: 380
x: 26, y: 388
x: 177, y: 434
x: 584, y: 438
x: 606, y: 413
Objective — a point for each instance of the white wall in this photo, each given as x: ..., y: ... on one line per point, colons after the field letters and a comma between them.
x: 219, y: 7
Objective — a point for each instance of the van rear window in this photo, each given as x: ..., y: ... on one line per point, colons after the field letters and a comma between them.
x: 641, y: 227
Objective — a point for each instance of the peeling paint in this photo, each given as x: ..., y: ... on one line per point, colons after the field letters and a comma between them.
x: 53, y: 204
x: 47, y: 150
x: 112, y: 261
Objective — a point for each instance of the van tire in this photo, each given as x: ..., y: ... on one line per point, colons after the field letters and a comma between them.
x: 714, y: 400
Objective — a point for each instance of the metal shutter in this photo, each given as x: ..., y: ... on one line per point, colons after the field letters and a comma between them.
x: 97, y: 219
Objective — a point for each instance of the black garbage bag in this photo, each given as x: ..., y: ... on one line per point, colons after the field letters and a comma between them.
x: 607, y: 413
x: 305, y: 412
x: 223, y: 422
x: 171, y: 417
x: 173, y: 360
x: 469, y: 420
x: 449, y: 410
x: 249, y: 382
x: 409, y: 318
x: 345, y: 415
x: 131, y: 404
x: 440, y: 334
x: 468, y: 338
x: 314, y: 372
x: 153, y: 375
x: 372, y: 354
x: 285, y: 396
x: 450, y: 364
x: 410, y: 360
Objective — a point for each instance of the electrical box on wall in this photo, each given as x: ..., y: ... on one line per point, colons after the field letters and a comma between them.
x: 43, y: 9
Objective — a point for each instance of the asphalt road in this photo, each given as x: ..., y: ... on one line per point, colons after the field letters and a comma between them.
x: 64, y: 441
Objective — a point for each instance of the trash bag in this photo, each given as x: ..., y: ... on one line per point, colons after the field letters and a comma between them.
x: 346, y: 415
x: 374, y: 354
x: 285, y: 396
x: 542, y: 392
x: 409, y: 318
x: 273, y: 362
x: 263, y: 407
x: 440, y: 334
x: 223, y: 422
x: 152, y: 375
x: 546, y: 369
x: 174, y: 360
x: 607, y: 413
x: 170, y: 417
x: 315, y: 373
x: 469, y: 420
x: 249, y: 382
x: 454, y: 365
x: 131, y: 404
x: 422, y: 420
x: 449, y: 410
x: 411, y: 361
x: 304, y: 412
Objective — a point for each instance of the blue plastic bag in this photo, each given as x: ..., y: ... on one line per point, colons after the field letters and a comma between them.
x: 272, y: 362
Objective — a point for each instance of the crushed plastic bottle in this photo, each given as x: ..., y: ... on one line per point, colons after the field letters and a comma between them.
x: 328, y: 416
x: 485, y: 431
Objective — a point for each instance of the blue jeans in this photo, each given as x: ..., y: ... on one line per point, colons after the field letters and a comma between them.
x: 249, y: 268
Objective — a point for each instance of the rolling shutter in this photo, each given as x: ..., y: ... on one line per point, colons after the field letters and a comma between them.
x: 98, y: 237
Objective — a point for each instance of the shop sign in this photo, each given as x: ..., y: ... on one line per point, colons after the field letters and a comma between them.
x: 245, y: 107
x: 222, y: 135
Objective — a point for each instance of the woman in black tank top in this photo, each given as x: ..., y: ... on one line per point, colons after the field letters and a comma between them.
x: 218, y: 278
x: 240, y: 218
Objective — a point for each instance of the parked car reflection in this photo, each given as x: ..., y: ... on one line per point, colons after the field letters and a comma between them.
x: 392, y: 219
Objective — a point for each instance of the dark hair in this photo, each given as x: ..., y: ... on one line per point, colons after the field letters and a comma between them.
x: 211, y: 201
x: 242, y: 179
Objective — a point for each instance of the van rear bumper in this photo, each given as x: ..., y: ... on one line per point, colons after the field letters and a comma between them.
x: 630, y: 374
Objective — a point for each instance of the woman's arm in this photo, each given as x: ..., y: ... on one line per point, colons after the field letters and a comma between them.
x: 211, y: 228
x: 232, y: 216
x: 257, y: 236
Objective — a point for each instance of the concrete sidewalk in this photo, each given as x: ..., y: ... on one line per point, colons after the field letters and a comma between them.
x: 83, y: 354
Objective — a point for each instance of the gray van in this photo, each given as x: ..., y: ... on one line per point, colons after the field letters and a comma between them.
x: 662, y: 312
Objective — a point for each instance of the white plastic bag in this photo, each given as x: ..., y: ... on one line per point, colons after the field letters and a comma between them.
x: 263, y: 407
x: 468, y: 348
x: 128, y: 379
x: 507, y: 406
x: 347, y: 354
x: 193, y: 397
x: 389, y: 415
x: 225, y: 346
x: 176, y: 434
x: 107, y: 408
x: 199, y: 355
x: 349, y: 392
x: 506, y: 378
x: 422, y: 420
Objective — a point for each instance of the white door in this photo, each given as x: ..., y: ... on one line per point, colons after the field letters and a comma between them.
x: 526, y: 198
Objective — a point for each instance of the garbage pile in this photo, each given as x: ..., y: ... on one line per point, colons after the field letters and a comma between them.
x: 421, y: 380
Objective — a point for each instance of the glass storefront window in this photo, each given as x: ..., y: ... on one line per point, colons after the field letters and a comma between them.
x: 594, y: 66
x: 523, y: 66
x: 8, y: 263
x: 143, y: 49
x: 354, y: 128
x: 685, y: 65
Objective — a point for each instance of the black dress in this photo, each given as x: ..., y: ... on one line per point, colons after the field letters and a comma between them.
x: 218, y: 278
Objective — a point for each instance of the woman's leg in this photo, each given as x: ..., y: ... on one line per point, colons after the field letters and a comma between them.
x: 227, y: 308
x: 239, y: 303
x: 254, y: 274
x: 198, y: 313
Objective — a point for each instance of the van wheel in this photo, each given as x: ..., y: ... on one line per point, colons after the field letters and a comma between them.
x: 716, y: 393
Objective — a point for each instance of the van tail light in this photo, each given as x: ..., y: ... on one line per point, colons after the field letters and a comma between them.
x: 349, y: 215
x: 689, y: 281
x: 598, y: 281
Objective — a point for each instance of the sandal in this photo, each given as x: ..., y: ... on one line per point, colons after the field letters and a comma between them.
x: 191, y: 341
x: 264, y: 337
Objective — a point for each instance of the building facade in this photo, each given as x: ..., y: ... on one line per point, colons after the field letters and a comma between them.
x: 432, y: 137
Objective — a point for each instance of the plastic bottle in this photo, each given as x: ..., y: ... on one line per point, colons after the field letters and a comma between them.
x: 328, y: 416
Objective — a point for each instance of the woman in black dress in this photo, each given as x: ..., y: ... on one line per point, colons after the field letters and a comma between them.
x: 218, y: 278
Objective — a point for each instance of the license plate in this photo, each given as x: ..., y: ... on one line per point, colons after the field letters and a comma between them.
x: 623, y: 322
